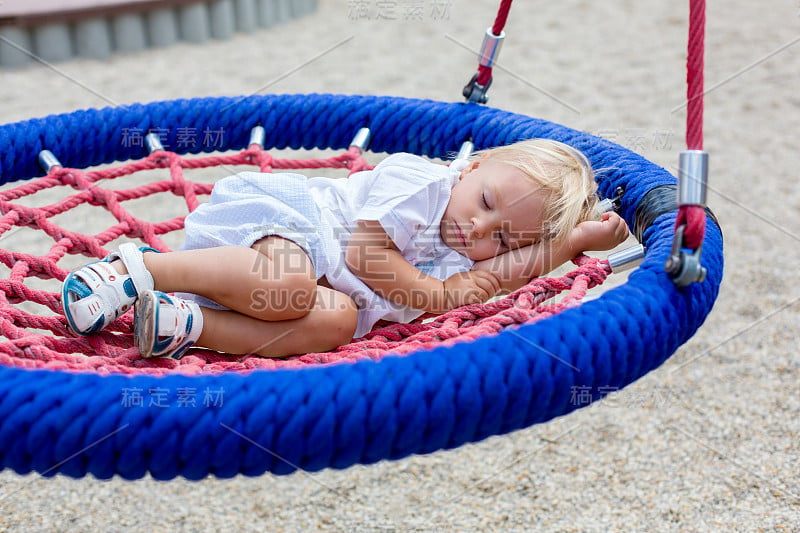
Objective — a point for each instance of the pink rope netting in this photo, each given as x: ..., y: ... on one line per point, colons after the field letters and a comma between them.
x: 35, y: 341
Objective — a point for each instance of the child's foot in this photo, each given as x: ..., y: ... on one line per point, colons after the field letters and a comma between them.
x: 96, y: 294
x: 166, y: 326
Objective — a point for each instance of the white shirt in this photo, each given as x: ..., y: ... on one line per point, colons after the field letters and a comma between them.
x: 408, y: 196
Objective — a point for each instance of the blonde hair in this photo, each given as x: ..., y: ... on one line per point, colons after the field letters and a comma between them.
x: 563, y: 172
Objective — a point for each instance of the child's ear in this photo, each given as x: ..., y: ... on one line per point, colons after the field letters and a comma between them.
x: 475, y: 163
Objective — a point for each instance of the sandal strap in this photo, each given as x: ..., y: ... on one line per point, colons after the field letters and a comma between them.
x: 105, y: 294
x: 96, y: 294
x: 133, y: 259
x: 174, y: 325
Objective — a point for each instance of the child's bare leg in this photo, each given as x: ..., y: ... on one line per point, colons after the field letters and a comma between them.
x: 273, y: 280
x: 330, y: 324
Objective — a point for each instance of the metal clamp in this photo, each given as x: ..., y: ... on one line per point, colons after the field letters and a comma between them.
x: 467, y: 147
x: 48, y: 161
x: 361, y: 139
x: 607, y: 205
x: 692, y: 177
x: 257, y: 136
x: 153, y: 142
x: 683, y: 265
x: 626, y: 259
x: 475, y: 92
x: 490, y: 48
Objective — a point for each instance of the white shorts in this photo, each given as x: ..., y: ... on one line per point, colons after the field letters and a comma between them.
x: 248, y: 206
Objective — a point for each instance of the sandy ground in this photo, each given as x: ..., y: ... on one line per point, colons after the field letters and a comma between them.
x: 708, y: 442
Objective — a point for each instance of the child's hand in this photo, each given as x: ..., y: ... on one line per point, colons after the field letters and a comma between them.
x: 603, y: 234
x: 472, y: 287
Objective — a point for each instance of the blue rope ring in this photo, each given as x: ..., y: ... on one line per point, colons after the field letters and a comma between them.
x: 335, y: 416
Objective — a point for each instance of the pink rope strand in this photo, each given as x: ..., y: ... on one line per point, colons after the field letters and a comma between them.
x: 42, y: 339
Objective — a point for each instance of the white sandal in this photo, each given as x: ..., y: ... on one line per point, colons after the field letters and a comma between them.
x: 96, y: 294
x: 166, y: 326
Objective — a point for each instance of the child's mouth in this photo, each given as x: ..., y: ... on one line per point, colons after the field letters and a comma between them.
x: 460, y: 234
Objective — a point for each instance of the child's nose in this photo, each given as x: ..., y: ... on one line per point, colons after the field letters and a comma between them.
x: 481, y: 226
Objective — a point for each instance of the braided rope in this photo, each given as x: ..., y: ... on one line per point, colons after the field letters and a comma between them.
x: 694, y: 75
x: 693, y: 216
x: 484, y: 72
x: 320, y: 416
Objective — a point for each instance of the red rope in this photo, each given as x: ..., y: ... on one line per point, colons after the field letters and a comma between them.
x: 485, y: 73
x: 692, y: 216
x: 41, y: 338
x: 694, y: 75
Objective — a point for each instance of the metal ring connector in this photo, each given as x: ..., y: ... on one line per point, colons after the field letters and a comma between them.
x: 48, y: 161
x: 361, y: 139
x: 467, y: 147
x: 257, y: 136
x: 684, y: 266
x: 153, y: 142
x: 490, y: 48
x: 605, y: 205
x: 475, y: 92
x: 626, y: 259
x: 692, y: 177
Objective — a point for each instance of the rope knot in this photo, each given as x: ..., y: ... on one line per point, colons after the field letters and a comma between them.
x: 254, y: 155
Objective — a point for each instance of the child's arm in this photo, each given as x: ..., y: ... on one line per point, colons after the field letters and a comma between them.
x: 516, y: 268
x: 372, y: 256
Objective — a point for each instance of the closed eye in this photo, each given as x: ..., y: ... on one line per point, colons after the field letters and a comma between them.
x: 502, y: 238
x: 503, y: 241
x: 485, y: 203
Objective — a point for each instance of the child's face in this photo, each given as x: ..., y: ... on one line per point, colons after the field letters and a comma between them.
x: 493, y: 208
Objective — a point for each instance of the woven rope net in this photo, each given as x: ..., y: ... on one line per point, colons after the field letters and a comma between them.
x: 32, y: 337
